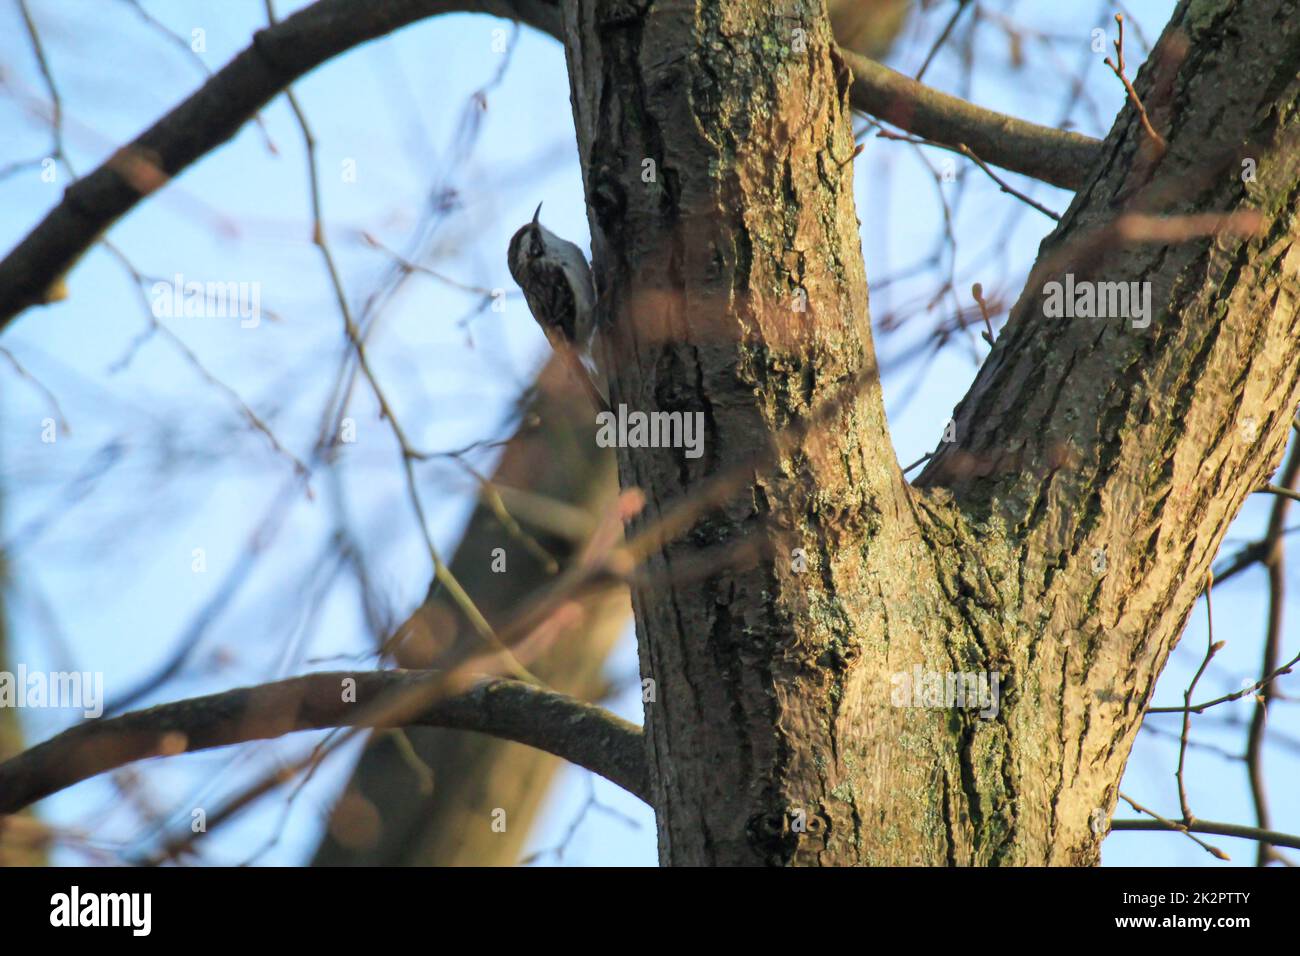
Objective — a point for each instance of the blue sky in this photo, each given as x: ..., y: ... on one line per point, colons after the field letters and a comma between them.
x: 103, y: 523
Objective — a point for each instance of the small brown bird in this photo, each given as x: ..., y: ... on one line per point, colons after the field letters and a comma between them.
x: 558, y: 287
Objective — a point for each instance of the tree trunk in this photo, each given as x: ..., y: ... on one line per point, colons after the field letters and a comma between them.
x: 1057, y: 545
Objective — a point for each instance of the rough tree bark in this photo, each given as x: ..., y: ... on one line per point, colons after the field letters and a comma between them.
x: 773, y: 737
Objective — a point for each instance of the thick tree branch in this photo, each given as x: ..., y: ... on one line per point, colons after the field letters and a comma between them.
x: 34, y: 271
x: 581, y: 733
x: 1052, y: 155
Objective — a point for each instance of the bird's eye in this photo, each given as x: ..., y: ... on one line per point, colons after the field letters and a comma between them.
x: 534, y: 245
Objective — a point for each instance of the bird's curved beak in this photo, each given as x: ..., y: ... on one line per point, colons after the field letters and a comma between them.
x: 538, y: 213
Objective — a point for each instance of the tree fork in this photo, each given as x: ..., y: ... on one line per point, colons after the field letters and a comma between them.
x: 732, y: 283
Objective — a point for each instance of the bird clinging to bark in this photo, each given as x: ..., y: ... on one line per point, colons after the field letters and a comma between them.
x: 558, y: 287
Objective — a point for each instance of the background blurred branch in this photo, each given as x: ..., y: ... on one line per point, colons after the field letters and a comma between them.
x: 551, y: 455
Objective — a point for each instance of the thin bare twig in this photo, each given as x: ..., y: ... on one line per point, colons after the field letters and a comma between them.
x: 1273, y: 561
x: 47, y: 74
x: 963, y: 150
x: 942, y: 38
x: 40, y: 387
x: 1211, y: 648
x: 1247, y: 691
x: 406, y: 265
x: 1271, y: 837
x: 196, y: 363
x: 1184, y: 829
x: 1157, y: 140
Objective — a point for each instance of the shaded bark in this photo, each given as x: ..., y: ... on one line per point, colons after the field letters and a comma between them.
x: 774, y: 737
